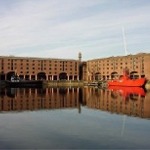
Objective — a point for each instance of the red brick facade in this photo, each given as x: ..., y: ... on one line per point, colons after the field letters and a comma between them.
x: 64, y: 69
x: 38, y: 68
x: 108, y: 68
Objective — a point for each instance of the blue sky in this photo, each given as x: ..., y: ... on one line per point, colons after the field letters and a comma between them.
x: 63, y: 28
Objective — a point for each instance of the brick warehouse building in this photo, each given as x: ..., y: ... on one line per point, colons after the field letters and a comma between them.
x: 31, y: 68
x: 38, y: 68
x: 112, y: 67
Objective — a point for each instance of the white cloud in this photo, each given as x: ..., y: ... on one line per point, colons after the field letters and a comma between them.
x: 52, y: 28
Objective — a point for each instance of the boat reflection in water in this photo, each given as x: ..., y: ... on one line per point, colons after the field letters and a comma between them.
x: 119, y: 100
x: 127, y: 92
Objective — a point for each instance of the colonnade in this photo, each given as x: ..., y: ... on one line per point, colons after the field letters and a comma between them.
x: 42, y: 77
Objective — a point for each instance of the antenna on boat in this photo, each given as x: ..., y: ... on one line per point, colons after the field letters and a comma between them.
x: 124, y: 41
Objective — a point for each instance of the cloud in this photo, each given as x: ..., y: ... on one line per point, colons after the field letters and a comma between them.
x: 53, y: 27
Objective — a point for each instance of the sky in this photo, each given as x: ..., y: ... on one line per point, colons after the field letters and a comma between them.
x: 63, y: 28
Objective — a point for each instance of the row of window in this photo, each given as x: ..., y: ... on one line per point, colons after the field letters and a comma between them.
x: 119, y: 59
x: 115, y: 68
x: 40, y: 68
x: 27, y: 64
x: 115, y: 63
x: 33, y: 68
x: 27, y: 72
x: 40, y: 61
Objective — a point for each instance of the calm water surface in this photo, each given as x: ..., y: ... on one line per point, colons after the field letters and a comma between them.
x: 74, y: 118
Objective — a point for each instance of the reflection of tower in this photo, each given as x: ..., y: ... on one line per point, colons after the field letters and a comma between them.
x: 80, y: 66
x: 80, y: 99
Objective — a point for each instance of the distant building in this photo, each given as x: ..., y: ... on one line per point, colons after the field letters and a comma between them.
x: 30, y: 68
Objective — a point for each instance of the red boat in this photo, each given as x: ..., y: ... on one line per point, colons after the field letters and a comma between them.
x: 125, y: 80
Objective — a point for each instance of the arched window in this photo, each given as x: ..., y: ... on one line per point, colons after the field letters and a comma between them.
x: 134, y: 75
x: 114, y: 75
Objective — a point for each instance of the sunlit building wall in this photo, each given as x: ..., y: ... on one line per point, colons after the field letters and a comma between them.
x: 112, y: 67
x: 64, y: 69
x: 38, y: 68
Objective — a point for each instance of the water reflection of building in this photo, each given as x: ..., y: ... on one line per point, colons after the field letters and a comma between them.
x: 33, y: 99
x: 61, y: 98
x: 106, y: 100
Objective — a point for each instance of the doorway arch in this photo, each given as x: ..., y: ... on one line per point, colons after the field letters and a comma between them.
x: 97, y: 76
x: 9, y: 75
x: 63, y: 76
x: 2, y: 76
x: 41, y: 76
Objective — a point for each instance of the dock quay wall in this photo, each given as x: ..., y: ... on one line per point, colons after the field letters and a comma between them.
x: 147, y: 85
x: 63, y: 83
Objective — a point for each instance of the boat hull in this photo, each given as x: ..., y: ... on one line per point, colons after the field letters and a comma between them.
x: 128, y: 82
x: 26, y: 83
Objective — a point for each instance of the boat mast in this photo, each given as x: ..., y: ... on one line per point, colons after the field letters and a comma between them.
x: 124, y: 41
